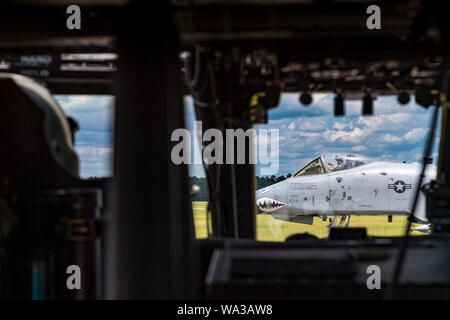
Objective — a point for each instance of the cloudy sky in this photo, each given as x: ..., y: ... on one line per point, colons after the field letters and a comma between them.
x: 394, y: 133
x: 94, y: 141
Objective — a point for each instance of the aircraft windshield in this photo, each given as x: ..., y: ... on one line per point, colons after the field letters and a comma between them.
x: 342, y: 161
x: 314, y: 167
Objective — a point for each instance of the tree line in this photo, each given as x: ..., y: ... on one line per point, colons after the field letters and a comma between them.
x: 261, y: 182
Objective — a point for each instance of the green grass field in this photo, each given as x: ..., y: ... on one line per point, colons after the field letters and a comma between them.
x: 270, y: 229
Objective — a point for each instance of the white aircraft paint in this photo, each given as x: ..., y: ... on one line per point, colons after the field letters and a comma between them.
x: 346, y: 184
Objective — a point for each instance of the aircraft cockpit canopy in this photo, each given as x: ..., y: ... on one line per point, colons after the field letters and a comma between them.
x: 342, y: 161
x: 332, y: 162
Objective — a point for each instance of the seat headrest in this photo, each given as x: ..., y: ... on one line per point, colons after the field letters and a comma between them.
x: 56, y: 127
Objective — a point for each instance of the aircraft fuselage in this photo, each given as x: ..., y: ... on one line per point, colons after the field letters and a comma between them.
x: 377, y: 188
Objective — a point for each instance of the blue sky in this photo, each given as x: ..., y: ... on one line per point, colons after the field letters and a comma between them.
x: 394, y: 133
x: 94, y: 141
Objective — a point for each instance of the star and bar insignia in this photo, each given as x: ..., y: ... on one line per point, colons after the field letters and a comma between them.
x: 399, y: 186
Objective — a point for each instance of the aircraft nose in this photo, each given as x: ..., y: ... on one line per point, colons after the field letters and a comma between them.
x: 266, y: 204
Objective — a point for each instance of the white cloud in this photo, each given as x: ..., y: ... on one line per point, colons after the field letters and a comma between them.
x: 391, y: 138
x: 94, y: 153
x: 359, y: 148
x: 86, y: 103
x: 415, y: 134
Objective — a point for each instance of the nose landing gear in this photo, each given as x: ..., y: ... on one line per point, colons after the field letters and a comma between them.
x: 342, y: 222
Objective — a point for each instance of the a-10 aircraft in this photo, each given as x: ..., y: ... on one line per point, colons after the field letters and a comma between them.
x: 340, y: 184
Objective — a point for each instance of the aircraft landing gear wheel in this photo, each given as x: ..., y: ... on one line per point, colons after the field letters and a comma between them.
x: 348, y: 222
x: 341, y: 223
